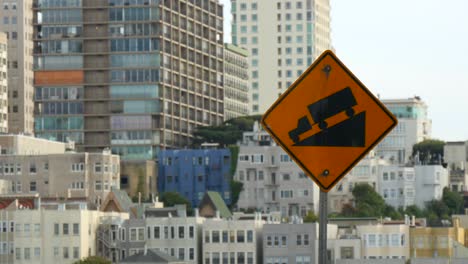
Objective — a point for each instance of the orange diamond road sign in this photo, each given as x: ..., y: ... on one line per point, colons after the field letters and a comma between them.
x: 328, y: 120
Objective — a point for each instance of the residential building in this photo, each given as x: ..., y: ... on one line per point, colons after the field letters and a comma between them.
x: 385, y: 241
x: 413, y: 126
x: 3, y: 83
x: 55, y: 232
x: 366, y: 171
x: 456, y: 157
x: 192, y: 172
x: 139, y: 177
x: 433, y: 242
x: 132, y: 76
x: 232, y: 240
x: 5, y: 187
x: 271, y: 180
x: 50, y: 171
x: 236, y: 82
x: 283, y: 38
x: 168, y: 229
x: 17, y: 23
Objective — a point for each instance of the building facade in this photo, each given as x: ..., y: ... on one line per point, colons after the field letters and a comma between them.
x: 366, y: 171
x: 456, y: 157
x: 283, y: 38
x: 57, y: 173
x: 236, y: 82
x: 232, y: 240
x: 271, y: 180
x: 385, y: 241
x: 3, y: 83
x: 413, y: 126
x: 135, y: 77
x: 192, y: 172
x: 17, y: 21
x: 52, y: 233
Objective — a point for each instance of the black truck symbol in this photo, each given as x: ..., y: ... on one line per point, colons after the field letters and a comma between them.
x: 338, y: 102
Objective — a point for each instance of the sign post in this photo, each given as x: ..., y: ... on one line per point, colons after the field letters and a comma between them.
x: 327, y: 121
x: 323, y: 220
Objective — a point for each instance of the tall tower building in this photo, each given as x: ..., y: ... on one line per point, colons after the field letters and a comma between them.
x: 413, y: 127
x: 3, y: 83
x: 283, y: 37
x: 236, y: 82
x: 16, y: 22
x: 134, y: 76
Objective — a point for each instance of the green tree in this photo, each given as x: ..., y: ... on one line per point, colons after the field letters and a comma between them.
x: 93, y: 260
x: 429, y: 151
x: 436, y: 210
x: 310, y: 217
x: 453, y: 200
x: 236, y: 189
x: 414, y: 210
x: 367, y: 201
x: 174, y: 198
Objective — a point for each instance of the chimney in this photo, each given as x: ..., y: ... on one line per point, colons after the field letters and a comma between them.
x: 197, y: 213
x: 139, y: 198
x: 39, y: 203
x: 218, y: 215
x: 413, y: 220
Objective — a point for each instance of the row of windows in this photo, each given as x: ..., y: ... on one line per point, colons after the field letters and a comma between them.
x: 282, y: 240
x: 231, y: 236
x: 60, y: 46
x: 284, y: 260
x: 6, y: 6
x: 158, y: 232
x: 136, y: 75
x: 59, y: 93
x: 60, y: 16
x: 134, y: 107
x: 135, y: 60
x: 58, y: 62
x: 229, y: 257
x: 391, y: 176
x: 76, y: 137
x: 140, y: 44
x: 59, y: 3
x: 26, y: 253
x: 133, y: 14
x: 9, y: 168
x: 58, y: 123
x: 60, y: 108
x: 395, y: 193
x: 59, y: 30
x: 384, y: 240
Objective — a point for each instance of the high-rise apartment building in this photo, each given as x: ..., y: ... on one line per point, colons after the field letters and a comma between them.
x: 133, y: 76
x: 3, y: 84
x: 16, y: 22
x: 283, y: 38
x: 236, y: 82
x: 413, y: 126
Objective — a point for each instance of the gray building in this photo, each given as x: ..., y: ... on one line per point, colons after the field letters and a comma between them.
x: 456, y: 157
x: 132, y: 76
x: 272, y: 181
x: 236, y: 81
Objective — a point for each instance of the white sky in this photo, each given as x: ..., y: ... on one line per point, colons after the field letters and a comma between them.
x: 402, y: 48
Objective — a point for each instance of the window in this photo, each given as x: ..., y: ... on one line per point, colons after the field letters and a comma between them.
x: 225, y: 236
x: 65, y: 252
x: 299, y: 240
x: 269, y: 241
x: 141, y: 234
x: 215, y: 237
x: 191, y: 253
x: 286, y: 177
x: 306, y: 239
x: 56, y: 229
x: 32, y: 186
x: 191, y: 231
x: 385, y: 176
x: 181, y: 232
x: 156, y: 231
x: 56, y: 251
x: 37, y: 252
x: 76, y: 252
x: 37, y: 228
x: 97, y: 167
x: 32, y: 168
x: 240, y: 236
x: 181, y: 253
x: 249, y: 236
x: 76, y: 229
x: 207, y: 236
x: 65, y: 229
x: 133, y: 234
x: 27, y: 253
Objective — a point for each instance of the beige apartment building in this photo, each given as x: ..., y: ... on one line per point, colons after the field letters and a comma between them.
x: 17, y: 23
x: 385, y: 241
x: 3, y: 83
x: 50, y: 233
x: 39, y: 166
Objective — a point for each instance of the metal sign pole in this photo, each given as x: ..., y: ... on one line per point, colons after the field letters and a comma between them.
x: 323, y: 220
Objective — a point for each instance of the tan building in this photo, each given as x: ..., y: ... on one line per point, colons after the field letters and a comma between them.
x: 431, y: 242
x: 236, y: 82
x: 57, y: 172
x: 51, y: 233
x: 17, y: 23
x: 3, y: 83
x: 139, y: 177
x: 384, y: 241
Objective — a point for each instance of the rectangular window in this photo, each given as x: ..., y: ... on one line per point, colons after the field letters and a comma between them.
x: 56, y: 229
x: 65, y: 252
x: 97, y: 167
x: 181, y: 253
x: 181, y: 232
x: 299, y: 240
x: 65, y: 229
x: 141, y: 234
x: 37, y: 252
x: 56, y: 252
x: 240, y: 236
x: 27, y: 253
x: 249, y: 236
x: 191, y: 231
x: 18, y: 253
x: 215, y: 237
x: 156, y: 231
x: 76, y: 252
x: 225, y: 236
x: 76, y: 229
x: 133, y: 234
x: 191, y: 253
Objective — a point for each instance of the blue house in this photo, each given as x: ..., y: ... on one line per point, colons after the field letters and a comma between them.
x: 192, y: 172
